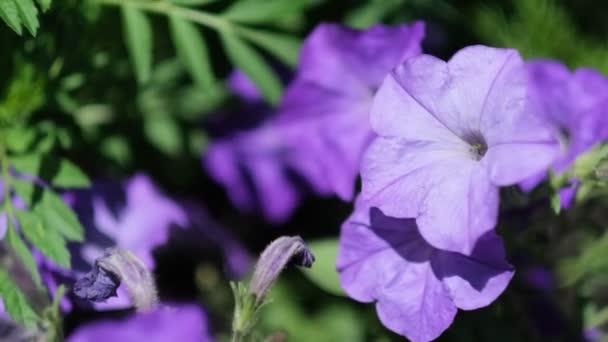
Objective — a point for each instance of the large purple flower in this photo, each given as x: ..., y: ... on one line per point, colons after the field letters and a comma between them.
x: 450, y: 133
x: 184, y: 323
x: 417, y: 288
x: 324, y: 114
x: 575, y: 104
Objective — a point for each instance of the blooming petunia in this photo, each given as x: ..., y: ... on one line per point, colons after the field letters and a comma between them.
x: 185, y: 323
x: 451, y: 133
x: 417, y: 288
x: 324, y: 114
x: 575, y: 104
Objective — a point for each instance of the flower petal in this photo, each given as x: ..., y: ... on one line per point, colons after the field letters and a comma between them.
x: 385, y: 259
x: 360, y: 58
x: 476, y: 281
x: 452, y: 198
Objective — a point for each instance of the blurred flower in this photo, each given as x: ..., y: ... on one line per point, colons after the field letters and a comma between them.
x: 450, y: 134
x: 185, y: 323
x: 417, y: 287
x: 575, y: 104
x: 324, y: 114
x: 250, y: 163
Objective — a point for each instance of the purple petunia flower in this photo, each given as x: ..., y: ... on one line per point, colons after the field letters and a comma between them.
x: 185, y: 323
x: 575, y: 105
x: 324, y: 114
x: 450, y: 133
x: 417, y: 287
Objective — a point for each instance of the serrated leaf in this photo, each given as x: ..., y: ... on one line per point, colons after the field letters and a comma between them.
x: 45, y: 5
x: 23, y: 253
x: 192, y: 52
x: 252, y: 64
x: 282, y: 46
x: 15, y: 302
x: 44, y: 238
x: 324, y: 273
x: 56, y: 215
x: 138, y: 37
x: 260, y: 11
x: 10, y: 15
x: 28, y: 14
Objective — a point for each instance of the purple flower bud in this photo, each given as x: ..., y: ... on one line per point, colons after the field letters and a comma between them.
x: 97, y: 285
x: 116, y: 265
x: 279, y: 254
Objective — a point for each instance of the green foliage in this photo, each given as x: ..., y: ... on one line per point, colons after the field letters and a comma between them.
x: 138, y: 36
x: 262, y: 11
x: 541, y: 28
x: 192, y: 49
x: 24, y: 94
x: 252, y: 64
x: 334, y: 322
x: 48, y: 241
x: 324, y: 273
x: 22, y: 13
x: 592, y: 260
x: 192, y: 52
x: 15, y: 302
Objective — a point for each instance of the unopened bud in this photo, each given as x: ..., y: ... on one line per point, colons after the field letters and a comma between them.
x: 279, y: 254
x: 115, y: 266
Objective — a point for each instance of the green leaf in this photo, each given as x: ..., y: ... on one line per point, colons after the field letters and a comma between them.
x: 45, y: 5
x: 20, y: 139
x: 27, y: 164
x: 25, y: 190
x: 45, y: 238
x: 15, y: 302
x: 138, y: 37
x: 556, y: 203
x: 56, y: 215
x: 24, y: 253
x: 282, y: 46
x: 192, y: 2
x: 163, y: 132
x: 29, y: 15
x: 323, y: 272
x: 58, y: 172
x: 192, y: 52
x: 253, y: 65
x: 10, y: 15
x: 260, y: 11
x: 69, y: 175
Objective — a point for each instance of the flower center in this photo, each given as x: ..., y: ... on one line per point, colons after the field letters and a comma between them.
x: 477, y: 145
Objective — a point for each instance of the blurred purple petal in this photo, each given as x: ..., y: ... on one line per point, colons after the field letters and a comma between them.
x: 185, y: 323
